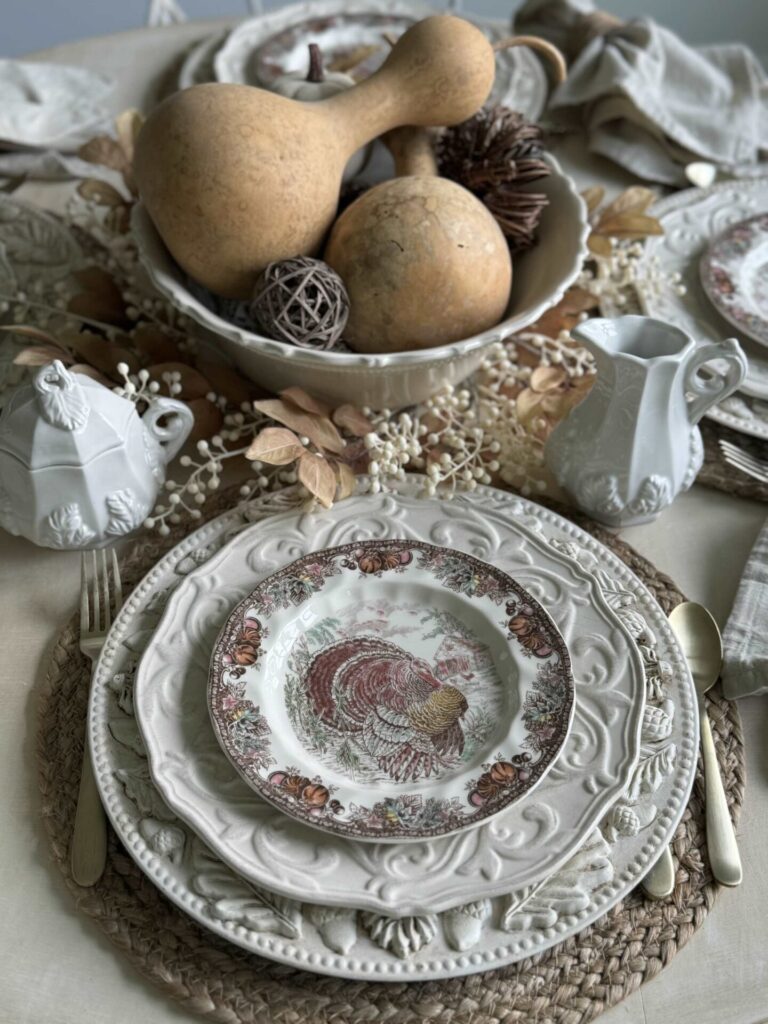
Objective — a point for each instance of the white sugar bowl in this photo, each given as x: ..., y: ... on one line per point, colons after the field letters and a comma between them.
x: 78, y: 466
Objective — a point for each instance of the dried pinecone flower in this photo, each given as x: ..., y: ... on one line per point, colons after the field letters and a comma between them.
x: 494, y: 154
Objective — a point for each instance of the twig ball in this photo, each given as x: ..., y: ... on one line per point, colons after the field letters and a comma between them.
x: 301, y: 301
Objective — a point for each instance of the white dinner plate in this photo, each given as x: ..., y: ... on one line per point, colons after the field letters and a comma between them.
x: 517, y: 847
x: 477, y: 936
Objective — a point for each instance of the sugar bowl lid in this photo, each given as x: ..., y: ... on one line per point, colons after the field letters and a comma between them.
x: 62, y: 419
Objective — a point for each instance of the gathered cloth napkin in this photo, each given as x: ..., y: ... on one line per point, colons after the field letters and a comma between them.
x: 650, y: 102
x: 745, y: 640
x: 47, y: 111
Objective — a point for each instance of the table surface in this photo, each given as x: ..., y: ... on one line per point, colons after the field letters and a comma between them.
x: 57, y: 967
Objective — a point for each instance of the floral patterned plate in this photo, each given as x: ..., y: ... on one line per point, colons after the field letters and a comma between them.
x: 734, y: 274
x: 454, y: 712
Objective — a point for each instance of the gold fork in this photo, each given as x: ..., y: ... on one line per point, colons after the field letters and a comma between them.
x: 100, y: 599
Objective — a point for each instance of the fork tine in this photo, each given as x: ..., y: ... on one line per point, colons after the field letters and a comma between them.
x: 755, y: 474
x: 95, y: 591
x: 745, y: 459
x: 84, y: 604
x: 117, y: 582
x: 104, y: 579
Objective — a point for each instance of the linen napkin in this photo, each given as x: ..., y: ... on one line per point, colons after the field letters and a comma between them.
x: 745, y: 640
x: 649, y: 101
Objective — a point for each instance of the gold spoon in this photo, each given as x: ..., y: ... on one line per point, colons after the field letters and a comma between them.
x: 703, y: 647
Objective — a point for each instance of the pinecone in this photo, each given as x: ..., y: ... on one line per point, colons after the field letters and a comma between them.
x: 494, y: 154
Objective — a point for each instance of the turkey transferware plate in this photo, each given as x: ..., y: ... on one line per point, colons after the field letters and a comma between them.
x: 391, y: 690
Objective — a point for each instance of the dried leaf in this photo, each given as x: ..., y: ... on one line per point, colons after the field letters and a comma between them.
x: 276, y: 446
x: 41, y: 355
x: 193, y: 383
x: 563, y: 316
x: 208, y: 419
x: 102, y: 307
x: 128, y: 125
x: 96, y: 279
x: 225, y: 382
x: 349, y: 418
x: 104, y: 150
x: 547, y: 378
x: 34, y: 333
x: 593, y: 197
x: 635, y: 200
x: 630, y: 225
x: 346, y: 479
x: 527, y: 404
x: 101, y: 353
x: 319, y: 430
x: 88, y: 371
x: 298, y: 396
x: 100, y: 192
x: 155, y: 344
x: 599, y: 245
x: 118, y: 219
x: 348, y: 61
x: 317, y: 476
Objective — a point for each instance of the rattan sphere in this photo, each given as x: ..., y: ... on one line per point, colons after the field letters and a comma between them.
x: 302, y: 301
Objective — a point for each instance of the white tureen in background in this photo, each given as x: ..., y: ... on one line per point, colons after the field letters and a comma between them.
x: 475, y: 936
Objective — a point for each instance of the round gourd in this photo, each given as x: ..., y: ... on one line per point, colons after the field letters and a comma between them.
x: 422, y: 259
x: 236, y: 177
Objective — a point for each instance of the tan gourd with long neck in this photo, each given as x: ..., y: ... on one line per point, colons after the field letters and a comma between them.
x: 422, y: 259
x: 235, y: 177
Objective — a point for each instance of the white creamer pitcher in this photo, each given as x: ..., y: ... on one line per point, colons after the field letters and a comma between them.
x: 632, y: 445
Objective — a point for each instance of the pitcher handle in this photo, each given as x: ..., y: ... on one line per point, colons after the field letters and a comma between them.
x: 173, y: 434
x: 708, y: 391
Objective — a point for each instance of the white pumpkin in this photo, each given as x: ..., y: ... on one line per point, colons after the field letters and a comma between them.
x: 318, y: 84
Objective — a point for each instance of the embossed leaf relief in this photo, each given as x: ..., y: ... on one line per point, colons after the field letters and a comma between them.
x: 64, y: 407
x: 231, y: 899
x: 66, y: 529
x: 600, y: 492
x: 121, y: 684
x: 336, y: 926
x: 650, y: 772
x: 141, y: 791
x: 125, y: 732
x: 567, y: 892
x: 402, y: 936
x: 31, y: 237
x: 126, y: 513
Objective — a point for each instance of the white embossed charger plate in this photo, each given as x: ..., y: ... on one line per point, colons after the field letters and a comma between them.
x: 262, y: 48
x: 519, y: 846
x: 734, y: 273
x: 691, y: 220
x: 478, y: 936
x: 390, y: 690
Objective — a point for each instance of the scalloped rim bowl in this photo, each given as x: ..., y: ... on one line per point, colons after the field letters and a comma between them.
x: 540, y: 278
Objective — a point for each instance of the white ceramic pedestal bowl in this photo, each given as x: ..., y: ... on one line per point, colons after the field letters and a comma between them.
x: 540, y: 277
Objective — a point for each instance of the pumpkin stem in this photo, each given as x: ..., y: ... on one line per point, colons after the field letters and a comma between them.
x: 316, y: 71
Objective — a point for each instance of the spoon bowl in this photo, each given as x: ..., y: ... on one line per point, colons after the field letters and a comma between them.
x: 701, y: 642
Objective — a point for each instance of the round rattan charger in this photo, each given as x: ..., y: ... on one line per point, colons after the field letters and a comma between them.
x: 569, y: 984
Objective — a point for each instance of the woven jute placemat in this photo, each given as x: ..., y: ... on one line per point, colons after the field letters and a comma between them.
x: 721, y: 475
x: 569, y: 984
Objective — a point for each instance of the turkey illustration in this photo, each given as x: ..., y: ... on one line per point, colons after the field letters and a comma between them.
x: 391, y: 703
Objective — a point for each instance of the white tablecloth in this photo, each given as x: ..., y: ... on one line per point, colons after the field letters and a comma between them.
x: 56, y: 967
